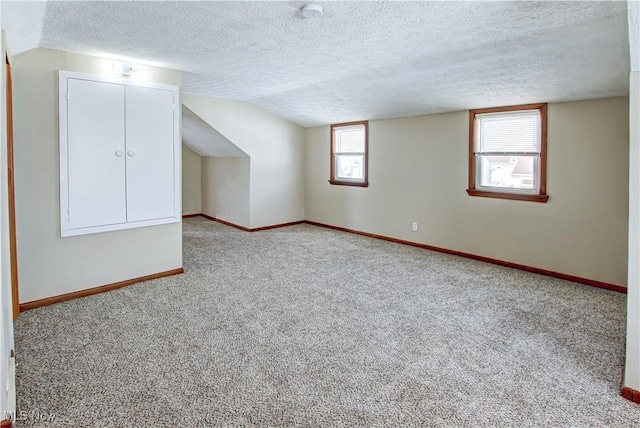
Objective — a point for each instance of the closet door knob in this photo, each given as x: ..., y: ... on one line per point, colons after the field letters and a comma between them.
x: 119, y: 153
x: 131, y: 153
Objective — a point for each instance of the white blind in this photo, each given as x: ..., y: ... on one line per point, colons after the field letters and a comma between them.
x: 349, y: 139
x: 517, y: 132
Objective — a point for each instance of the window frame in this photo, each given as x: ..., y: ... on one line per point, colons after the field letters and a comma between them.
x: 332, y: 155
x: 541, y: 194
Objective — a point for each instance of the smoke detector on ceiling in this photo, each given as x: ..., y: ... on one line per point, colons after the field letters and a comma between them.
x: 311, y: 10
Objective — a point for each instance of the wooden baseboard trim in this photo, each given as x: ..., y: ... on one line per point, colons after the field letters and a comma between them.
x: 226, y: 223
x: 95, y: 290
x: 257, y: 229
x: 585, y: 281
x: 190, y: 215
x: 277, y: 226
x: 6, y: 423
x: 630, y: 394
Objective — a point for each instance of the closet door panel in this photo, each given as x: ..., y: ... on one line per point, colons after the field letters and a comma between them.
x: 150, y: 154
x: 96, y: 161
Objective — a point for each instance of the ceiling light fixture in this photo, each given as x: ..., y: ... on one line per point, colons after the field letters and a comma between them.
x: 311, y: 10
x: 125, y: 68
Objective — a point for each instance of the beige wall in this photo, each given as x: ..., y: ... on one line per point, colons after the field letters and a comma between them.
x: 191, y: 181
x: 225, y: 189
x: 50, y: 265
x: 276, y: 148
x: 418, y: 172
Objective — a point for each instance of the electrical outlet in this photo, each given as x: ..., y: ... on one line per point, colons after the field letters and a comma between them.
x: 414, y: 227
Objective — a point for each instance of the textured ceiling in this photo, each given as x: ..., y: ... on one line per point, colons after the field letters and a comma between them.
x: 634, y: 34
x: 361, y: 60
x: 205, y: 140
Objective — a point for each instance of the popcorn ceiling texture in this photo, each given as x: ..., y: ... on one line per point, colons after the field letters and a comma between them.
x: 634, y: 34
x: 361, y: 60
x: 23, y: 22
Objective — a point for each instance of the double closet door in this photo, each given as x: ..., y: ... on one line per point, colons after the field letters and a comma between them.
x: 119, y: 154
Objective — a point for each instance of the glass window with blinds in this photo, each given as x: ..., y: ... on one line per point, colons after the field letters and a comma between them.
x: 508, y: 153
x: 349, y: 142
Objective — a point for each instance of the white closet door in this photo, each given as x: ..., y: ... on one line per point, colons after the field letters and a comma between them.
x: 150, y: 154
x: 96, y: 161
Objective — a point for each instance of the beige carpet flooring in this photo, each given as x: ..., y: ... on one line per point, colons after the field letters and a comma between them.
x: 304, y: 326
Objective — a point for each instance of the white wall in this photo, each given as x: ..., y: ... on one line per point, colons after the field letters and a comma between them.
x: 50, y: 265
x: 225, y: 189
x: 191, y: 181
x: 276, y: 148
x: 632, y: 360
x: 7, y: 396
x: 418, y: 171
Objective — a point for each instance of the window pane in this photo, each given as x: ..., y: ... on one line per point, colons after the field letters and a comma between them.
x: 509, y: 132
x: 350, y: 167
x: 349, y: 139
x: 516, y: 172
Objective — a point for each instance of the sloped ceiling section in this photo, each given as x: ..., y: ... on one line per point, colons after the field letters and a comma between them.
x: 203, y: 139
x: 23, y: 22
x: 361, y: 60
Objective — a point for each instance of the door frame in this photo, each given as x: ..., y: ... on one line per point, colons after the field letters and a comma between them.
x: 13, y: 247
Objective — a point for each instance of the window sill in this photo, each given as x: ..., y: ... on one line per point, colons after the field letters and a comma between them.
x: 507, y: 195
x: 348, y: 183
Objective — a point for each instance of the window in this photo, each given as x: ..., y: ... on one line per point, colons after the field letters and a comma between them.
x: 508, y: 153
x: 349, y: 144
